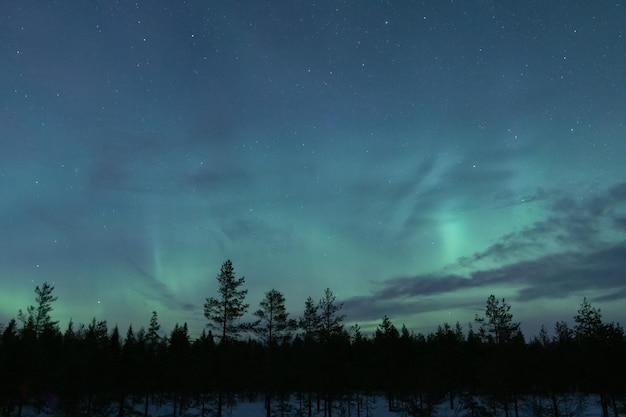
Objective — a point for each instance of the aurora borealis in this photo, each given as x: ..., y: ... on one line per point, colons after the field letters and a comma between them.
x: 414, y: 157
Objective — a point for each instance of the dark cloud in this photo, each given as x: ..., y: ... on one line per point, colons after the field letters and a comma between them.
x: 548, y: 277
x: 584, y: 263
x: 360, y: 309
x: 613, y: 296
x: 508, y: 198
x: 561, y: 275
x: 569, y: 223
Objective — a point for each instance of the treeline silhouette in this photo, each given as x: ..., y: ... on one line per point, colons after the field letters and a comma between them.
x: 326, y: 367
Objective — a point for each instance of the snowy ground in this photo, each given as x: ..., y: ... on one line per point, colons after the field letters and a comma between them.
x: 574, y: 405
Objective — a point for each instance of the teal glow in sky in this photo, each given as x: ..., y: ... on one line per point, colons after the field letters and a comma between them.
x: 414, y: 158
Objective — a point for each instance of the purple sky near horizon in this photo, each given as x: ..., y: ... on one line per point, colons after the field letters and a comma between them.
x: 415, y: 158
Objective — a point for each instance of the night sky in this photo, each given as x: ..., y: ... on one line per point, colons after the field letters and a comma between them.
x: 415, y: 157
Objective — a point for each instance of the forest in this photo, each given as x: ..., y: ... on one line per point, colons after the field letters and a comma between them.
x: 313, y: 361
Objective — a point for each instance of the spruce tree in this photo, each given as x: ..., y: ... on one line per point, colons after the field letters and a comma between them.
x: 153, y: 338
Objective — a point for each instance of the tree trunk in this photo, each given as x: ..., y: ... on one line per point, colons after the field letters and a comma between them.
x: 421, y: 404
x: 505, y: 403
x: 121, y: 410
x: 268, y: 404
x: 555, y: 405
x: 88, y: 405
x: 282, y: 405
x: 349, y: 404
x: 318, y: 401
x: 329, y: 405
x: 605, y: 406
x: 220, y: 400
x: 145, y: 410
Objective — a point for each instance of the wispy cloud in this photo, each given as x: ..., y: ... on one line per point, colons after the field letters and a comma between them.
x: 153, y: 289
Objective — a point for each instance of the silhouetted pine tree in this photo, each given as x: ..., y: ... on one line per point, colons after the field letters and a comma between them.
x: 152, y: 364
x: 178, y: 366
x: 498, y: 323
x: 224, y: 313
x: 307, y: 353
x: 122, y: 382
x: 225, y: 310
x: 202, y: 371
x: 448, y: 356
x: 600, y: 345
x: 91, y: 370
x: 498, y: 329
x: 386, y: 343
x: 360, y: 365
x: 97, y: 370
x: 72, y: 363
x: 334, y: 341
x: 10, y: 369
x: 38, y: 316
x: 40, y: 344
x: 274, y: 328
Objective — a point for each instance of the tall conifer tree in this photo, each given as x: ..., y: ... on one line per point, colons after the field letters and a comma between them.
x: 38, y: 317
x: 225, y: 310
x: 224, y: 313
x: 498, y: 321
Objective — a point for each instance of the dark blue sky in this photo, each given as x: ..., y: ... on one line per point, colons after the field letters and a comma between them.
x: 413, y: 157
